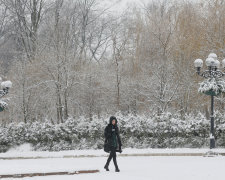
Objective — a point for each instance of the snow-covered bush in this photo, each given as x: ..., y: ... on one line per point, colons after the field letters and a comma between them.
x: 165, y: 131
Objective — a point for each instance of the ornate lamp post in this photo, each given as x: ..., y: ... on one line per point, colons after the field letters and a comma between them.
x: 212, y: 73
x: 6, y: 85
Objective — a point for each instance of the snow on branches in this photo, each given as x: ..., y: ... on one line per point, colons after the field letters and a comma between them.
x: 214, y: 85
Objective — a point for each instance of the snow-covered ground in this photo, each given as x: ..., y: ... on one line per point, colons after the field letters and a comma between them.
x: 132, y: 168
x: 135, y: 164
x: 25, y: 151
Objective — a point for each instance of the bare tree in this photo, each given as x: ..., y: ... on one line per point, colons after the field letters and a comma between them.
x: 26, y: 17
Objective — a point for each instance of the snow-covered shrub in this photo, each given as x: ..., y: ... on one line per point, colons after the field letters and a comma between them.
x: 165, y: 131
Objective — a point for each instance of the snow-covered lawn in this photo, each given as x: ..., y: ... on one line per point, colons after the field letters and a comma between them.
x: 132, y: 168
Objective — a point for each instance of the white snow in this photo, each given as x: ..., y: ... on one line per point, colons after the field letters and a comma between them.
x: 215, y: 84
x: 132, y: 168
x: 24, y: 152
x: 211, y: 136
x: 3, y: 104
x: 22, y: 148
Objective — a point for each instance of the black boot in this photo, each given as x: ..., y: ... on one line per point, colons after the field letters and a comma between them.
x: 117, y: 170
x: 106, y: 167
x: 116, y: 166
x: 115, y: 163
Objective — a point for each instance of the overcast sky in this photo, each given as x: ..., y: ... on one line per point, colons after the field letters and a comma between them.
x: 119, y: 5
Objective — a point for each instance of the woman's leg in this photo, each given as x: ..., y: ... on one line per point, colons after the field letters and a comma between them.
x: 114, y: 159
x: 109, y: 158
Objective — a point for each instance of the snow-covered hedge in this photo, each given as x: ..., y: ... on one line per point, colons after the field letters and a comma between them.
x: 165, y: 131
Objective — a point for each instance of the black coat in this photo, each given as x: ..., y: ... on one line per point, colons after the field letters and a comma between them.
x: 108, y: 138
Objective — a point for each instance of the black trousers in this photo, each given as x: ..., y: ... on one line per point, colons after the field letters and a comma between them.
x: 112, y: 155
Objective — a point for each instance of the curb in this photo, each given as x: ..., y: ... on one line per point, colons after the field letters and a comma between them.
x: 47, y: 174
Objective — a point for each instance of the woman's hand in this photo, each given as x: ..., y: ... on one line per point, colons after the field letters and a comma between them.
x: 117, y: 130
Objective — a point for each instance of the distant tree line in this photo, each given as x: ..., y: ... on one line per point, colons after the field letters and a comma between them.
x: 73, y: 58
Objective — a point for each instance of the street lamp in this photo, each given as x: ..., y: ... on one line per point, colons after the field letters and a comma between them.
x: 213, y: 71
x: 6, y: 85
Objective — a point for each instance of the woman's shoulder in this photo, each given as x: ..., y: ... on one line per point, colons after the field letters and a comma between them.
x: 108, y: 126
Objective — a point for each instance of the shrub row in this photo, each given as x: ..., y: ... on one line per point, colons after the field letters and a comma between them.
x: 165, y: 131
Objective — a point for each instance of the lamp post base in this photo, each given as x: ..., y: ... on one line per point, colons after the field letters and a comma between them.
x: 211, y: 154
x: 212, y: 143
x: 212, y: 134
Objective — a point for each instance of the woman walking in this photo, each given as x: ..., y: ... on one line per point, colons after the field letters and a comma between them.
x: 112, y: 142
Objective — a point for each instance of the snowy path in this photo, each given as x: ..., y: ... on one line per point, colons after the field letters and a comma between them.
x: 132, y: 168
